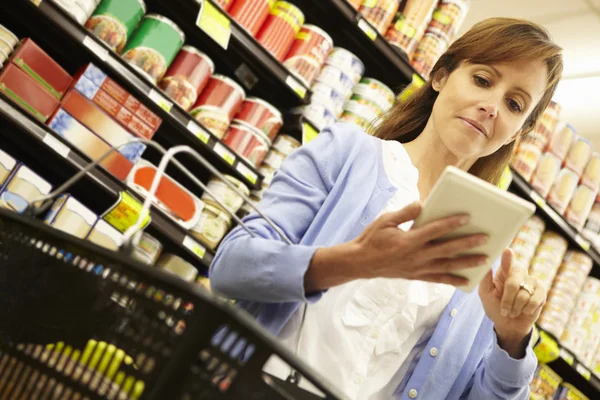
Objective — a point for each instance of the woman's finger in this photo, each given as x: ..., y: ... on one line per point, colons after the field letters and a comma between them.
x: 536, y: 301
x: 511, y: 289
x: 455, y: 246
x: 523, y: 297
x: 450, y: 265
x: 448, y: 279
x: 437, y: 229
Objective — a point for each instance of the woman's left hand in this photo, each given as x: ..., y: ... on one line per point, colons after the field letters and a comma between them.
x: 507, y: 301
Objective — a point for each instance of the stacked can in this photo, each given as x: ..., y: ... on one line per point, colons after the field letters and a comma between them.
x: 448, y: 17
x: 526, y: 159
x: 8, y: 42
x: 548, y: 256
x: 561, y: 141
x: 260, y: 115
x: 380, y: 13
x: 279, y: 30
x: 224, y: 4
x: 355, y: 3
x: 114, y: 21
x: 546, y: 124
x: 545, y: 383
x: 545, y: 173
x: 80, y: 10
x: 527, y: 240
x: 308, y: 53
x: 370, y: 99
x: 582, y: 334
x: 562, y: 298
x: 251, y: 14
x: 566, y: 391
x: 591, y: 230
x: 578, y: 156
x: 580, y: 206
x: 410, y: 24
x: 429, y: 50
x: 563, y: 189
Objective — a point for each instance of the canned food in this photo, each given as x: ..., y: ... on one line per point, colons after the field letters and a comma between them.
x: 562, y: 191
x: 592, y: 285
x: 147, y: 250
x: 546, y: 173
x: 261, y: 115
x: 308, y: 53
x: 561, y: 141
x: 8, y: 36
x: 347, y: 62
x: 250, y: 14
x: 565, y: 287
x: 5, y: 47
x: 448, y: 17
x: 587, y: 302
x: 247, y: 142
x: 350, y: 117
x: 153, y: 46
x: 545, y: 382
x: 550, y: 116
x: 380, y: 13
x: 573, y: 338
x: 212, y: 226
x: 318, y: 114
x: 187, y: 76
x: 579, y: 154
x: 536, y: 223
x: 218, y: 103
x: 337, y: 79
x: 409, y: 25
x: 363, y: 107
x: 279, y: 30
x: 268, y: 174
x: 580, y: 206
x: 225, y: 194
x: 526, y: 159
x: 225, y: 4
x: 355, y: 3
x: 329, y: 97
x: 246, y: 208
x: 536, y: 139
x: 569, y: 392
x: 428, y: 52
x: 274, y: 159
x: 286, y: 144
x: 376, y: 91
x: 114, y: 21
x: 591, y: 173
x: 582, y: 319
x: 579, y: 258
x: 3, y: 56
x: 177, y: 266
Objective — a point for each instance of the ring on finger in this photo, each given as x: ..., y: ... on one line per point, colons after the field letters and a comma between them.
x: 526, y: 287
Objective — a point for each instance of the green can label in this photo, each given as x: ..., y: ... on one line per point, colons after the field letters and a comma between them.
x: 115, y: 20
x: 153, y: 46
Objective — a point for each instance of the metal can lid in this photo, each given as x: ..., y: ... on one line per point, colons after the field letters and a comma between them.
x: 142, y: 4
x: 320, y: 31
x: 192, y: 49
x: 217, y: 212
x: 242, y: 125
x: 230, y: 82
x: 167, y: 21
x: 269, y: 106
x: 6, y: 30
x: 237, y: 183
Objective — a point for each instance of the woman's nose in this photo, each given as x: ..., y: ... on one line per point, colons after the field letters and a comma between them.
x: 490, y: 110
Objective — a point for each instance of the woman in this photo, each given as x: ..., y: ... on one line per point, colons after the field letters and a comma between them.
x: 383, y: 319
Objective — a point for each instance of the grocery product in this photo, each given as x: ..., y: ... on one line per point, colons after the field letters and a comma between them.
x: 347, y: 62
x: 279, y: 30
x: 260, y: 115
x: 380, y: 13
x: 569, y: 392
x: 337, y: 79
x: 228, y: 197
x: 329, y: 97
x: 550, y: 117
x: 410, y: 24
x: 27, y: 93
x: 7, y: 164
x: 70, y: 216
x: 41, y: 67
x: 377, y: 91
x: 364, y: 107
x: 225, y: 4
x: 248, y: 142
x: 448, y: 17
x: 352, y: 118
x: 591, y: 173
x: 218, y: 103
x: 104, y: 235
x: 23, y: 187
x: 8, y: 36
x: 579, y: 154
x: 562, y: 191
x: 212, y: 226
x: 561, y: 141
x: 153, y: 46
x: 114, y: 21
x: 251, y: 14
x: 258, y: 194
x: 546, y: 173
x: 274, y: 159
x: 318, y: 114
x: 526, y: 159
x: 187, y: 76
x: 6, y: 50
x: 428, y: 52
x: 286, y: 144
x: 580, y: 206
x: 545, y: 382
x: 268, y: 174
x: 80, y: 10
x: 308, y: 53
x: 147, y: 250
x: 177, y: 266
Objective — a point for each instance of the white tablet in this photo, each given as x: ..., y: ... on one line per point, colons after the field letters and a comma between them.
x: 493, y: 211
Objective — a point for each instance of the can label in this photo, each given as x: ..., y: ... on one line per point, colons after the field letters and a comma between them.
x: 213, y: 119
x: 114, y: 21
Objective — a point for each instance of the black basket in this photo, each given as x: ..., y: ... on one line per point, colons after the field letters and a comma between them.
x: 59, y: 294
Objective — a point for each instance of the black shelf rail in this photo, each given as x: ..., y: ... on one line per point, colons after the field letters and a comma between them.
x: 350, y: 30
x: 184, y: 130
x: 59, y: 155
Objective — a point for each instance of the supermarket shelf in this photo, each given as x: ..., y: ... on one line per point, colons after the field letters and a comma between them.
x: 57, y: 156
x: 521, y: 186
x: 349, y: 30
x: 260, y: 73
x: 180, y: 129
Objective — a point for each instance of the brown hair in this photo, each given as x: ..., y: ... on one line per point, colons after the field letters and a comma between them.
x: 491, y: 41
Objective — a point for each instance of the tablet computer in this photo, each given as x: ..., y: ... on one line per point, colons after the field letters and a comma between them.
x: 493, y: 211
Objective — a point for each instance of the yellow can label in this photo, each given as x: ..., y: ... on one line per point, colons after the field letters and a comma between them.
x: 125, y: 213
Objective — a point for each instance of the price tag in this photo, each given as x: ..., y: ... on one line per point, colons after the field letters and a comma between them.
x: 583, y: 371
x: 224, y: 153
x: 198, y: 132
x: 367, y: 29
x: 308, y: 133
x: 160, y: 100
x: 214, y: 23
x: 296, y: 86
x: 194, y: 247
x: 56, y: 145
x: 126, y: 213
x: 537, y: 199
x: 585, y: 245
x: 96, y: 48
x: 247, y: 173
x: 568, y: 357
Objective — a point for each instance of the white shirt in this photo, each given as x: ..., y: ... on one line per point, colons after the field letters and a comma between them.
x: 361, y: 335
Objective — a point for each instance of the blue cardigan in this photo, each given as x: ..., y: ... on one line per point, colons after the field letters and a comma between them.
x: 326, y: 193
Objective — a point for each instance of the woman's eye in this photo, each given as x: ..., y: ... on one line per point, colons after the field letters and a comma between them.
x: 514, y: 105
x: 481, y: 81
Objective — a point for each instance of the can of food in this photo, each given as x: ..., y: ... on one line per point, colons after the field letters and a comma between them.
x: 114, y: 21
x: 279, y: 30
x: 580, y: 318
x: 569, y: 392
x: 592, y: 225
x: 329, y: 97
x: 227, y: 196
x: 591, y: 173
x: 579, y: 154
x: 573, y: 338
x: 346, y: 61
x: 248, y: 142
x: 77, y: 9
x: 545, y: 382
x: 363, y: 107
x: 568, y: 288
x: 380, y: 13
x: 318, y: 114
x: 251, y: 14
x: 268, y: 174
x: 551, y: 326
x: 536, y: 223
x: 274, y: 159
x: 562, y: 191
x: 147, y: 250
x: 225, y: 4
x: 592, y: 285
x: 409, y: 25
x: 308, y: 53
x: 351, y: 118
x: 187, y: 76
x: 261, y: 115
x: 561, y: 141
x: 580, y: 206
x: 5, y: 48
x: 448, y: 17
x: 526, y: 159
x: 376, y: 91
x: 587, y: 302
x: 546, y: 173
x: 8, y: 36
x: 428, y: 52
x: 550, y: 117
x: 259, y: 194
x: 337, y: 79
x: 212, y: 226
x: 218, y: 103
x: 177, y: 266
x: 286, y: 144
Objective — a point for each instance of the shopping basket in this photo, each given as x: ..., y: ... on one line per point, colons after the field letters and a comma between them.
x: 81, y: 322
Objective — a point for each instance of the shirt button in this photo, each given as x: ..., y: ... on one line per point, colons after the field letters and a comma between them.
x: 412, y: 393
x: 453, y: 312
x: 433, y: 351
x: 358, y: 380
x: 374, y: 333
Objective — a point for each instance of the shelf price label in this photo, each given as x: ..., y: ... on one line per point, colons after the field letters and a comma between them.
x: 583, y: 371
x: 125, y: 213
x: 537, y: 199
x: 568, y: 357
x: 214, y: 23
x: 197, y: 131
x: 160, y: 100
x: 367, y: 29
x: 308, y: 133
x: 224, y: 153
x: 584, y: 244
x: 195, y: 247
x: 96, y: 48
x: 56, y: 145
x: 247, y: 173
x: 296, y: 86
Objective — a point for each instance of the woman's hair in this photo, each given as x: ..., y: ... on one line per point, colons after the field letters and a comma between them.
x: 491, y: 41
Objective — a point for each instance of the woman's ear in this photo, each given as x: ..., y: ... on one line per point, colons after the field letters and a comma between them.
x: 439, y: 79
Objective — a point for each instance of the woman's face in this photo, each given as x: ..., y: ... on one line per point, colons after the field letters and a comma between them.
x: 482, y: 107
